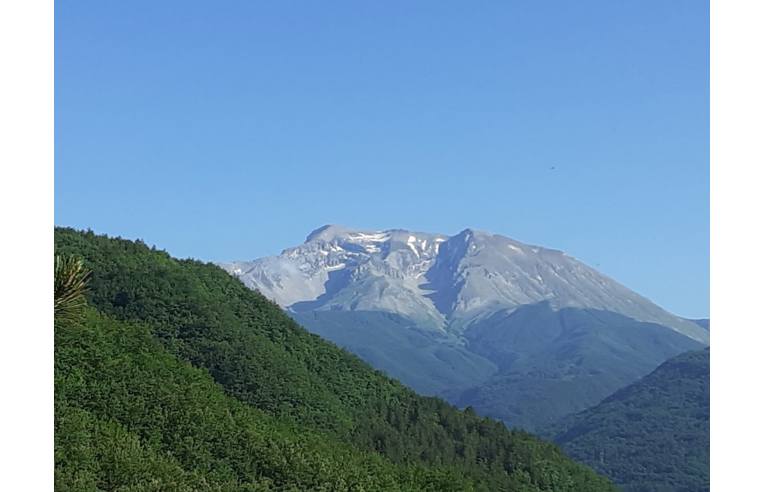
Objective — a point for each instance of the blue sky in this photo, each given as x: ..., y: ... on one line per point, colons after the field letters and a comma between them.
x: 230, y: 130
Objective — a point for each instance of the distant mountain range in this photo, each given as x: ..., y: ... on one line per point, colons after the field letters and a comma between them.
x: 652, y: 435
x: 519, y: 332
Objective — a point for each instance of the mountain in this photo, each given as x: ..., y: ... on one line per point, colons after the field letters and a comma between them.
x: 440, y: 282
x: 704, y: 323
x: 555, y: 362
x: 521, y: 333
x: 178, y: 377
x: 652, y: 435
x: 428, y: 362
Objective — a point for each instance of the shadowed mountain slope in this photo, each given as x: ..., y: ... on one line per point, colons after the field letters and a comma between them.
x: 555, y: 362
x: 652, y: 435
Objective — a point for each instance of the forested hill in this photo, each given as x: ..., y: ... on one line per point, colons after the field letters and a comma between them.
x: 180, y: 378
x: 653, y: 435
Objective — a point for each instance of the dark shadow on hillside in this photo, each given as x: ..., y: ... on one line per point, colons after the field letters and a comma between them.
x: 336, y: 282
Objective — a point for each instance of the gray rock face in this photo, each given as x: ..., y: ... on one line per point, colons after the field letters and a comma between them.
x: 442, y: 283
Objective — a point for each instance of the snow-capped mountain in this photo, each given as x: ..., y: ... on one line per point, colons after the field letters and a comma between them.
x: 443, y: 283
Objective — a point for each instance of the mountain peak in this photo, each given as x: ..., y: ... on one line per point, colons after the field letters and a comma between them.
x: 334, y: 232
x: 327, y: 233
x: 470, y: 233
x: 449, y: 281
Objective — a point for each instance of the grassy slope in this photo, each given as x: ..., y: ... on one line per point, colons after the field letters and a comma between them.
x: 265, y: 363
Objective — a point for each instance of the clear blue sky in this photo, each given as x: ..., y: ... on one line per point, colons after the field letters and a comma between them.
x: 230, y: 130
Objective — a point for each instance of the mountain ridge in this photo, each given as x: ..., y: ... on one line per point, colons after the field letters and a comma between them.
x: 652, y: 435
x: 442, y: 282
x: 519, y: 332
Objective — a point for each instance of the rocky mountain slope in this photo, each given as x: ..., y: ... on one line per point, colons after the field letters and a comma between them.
x: 441, y: 282
x: 520, y: 332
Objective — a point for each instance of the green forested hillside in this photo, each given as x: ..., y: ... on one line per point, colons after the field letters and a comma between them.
x: 128, y: 414
x: 653, y: 435
x: 180, y: 378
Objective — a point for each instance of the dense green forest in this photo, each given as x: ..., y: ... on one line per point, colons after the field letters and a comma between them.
x: 177, y: 377
x: 652, y: 436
